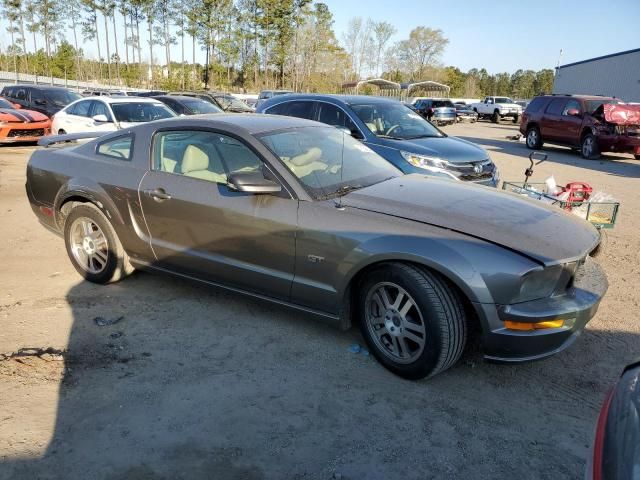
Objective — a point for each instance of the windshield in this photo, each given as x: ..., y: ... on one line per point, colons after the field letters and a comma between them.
x: 394, y: 120
x: 197, y: 106
x: 61, y: 97
x: 135, y: 112
x: 503, y: 100
x: 228, y: 102
x: 593, y: 105
x: 327, y: 161
x: 5, y: 104
x: 442, y: 103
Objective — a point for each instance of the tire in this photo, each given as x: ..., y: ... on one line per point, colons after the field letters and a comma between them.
x: 516, y: 119
x: 533, y: 138
x: 495, y: 118
x: 589, y: 147
x: 637, y: 157
x: 61, y: 132
x: 434, y: 316
x: 97, y: 256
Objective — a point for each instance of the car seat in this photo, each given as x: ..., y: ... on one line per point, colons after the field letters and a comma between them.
x: 196, y: 163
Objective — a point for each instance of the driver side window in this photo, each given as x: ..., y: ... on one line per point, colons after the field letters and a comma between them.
x: 204, y: 155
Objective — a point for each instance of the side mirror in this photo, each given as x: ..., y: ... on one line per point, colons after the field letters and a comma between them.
x: 573, y: 112
x: 252, y: 182
x: 101, y: 118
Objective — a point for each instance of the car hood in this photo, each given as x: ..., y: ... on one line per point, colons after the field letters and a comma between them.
x: 452, y: 149
x: 543, y: 233
x: 21, y: 116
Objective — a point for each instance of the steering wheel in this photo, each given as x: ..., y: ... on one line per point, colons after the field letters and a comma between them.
x: 392, y: 128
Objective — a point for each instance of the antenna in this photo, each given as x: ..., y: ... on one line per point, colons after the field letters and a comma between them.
x: 559, y: 59
x: 339, y: 202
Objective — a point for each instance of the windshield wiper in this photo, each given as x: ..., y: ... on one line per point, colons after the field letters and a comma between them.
x: 389, y: 136
x: 423, y: 136
x: 343, y: 190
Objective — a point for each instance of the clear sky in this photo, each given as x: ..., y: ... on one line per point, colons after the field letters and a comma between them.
x: 499, y: 35
x: 505, y: 35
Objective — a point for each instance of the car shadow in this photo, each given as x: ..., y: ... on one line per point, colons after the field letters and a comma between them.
x: 609, y: 163
x: 169, y: 379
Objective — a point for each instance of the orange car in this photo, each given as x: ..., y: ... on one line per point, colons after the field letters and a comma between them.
x: 21, y: 125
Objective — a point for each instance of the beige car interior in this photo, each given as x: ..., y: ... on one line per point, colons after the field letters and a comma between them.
x: 210, y: 158
x: 196, y: 163
x: 306, y: 163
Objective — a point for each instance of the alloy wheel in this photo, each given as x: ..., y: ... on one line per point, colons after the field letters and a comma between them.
x: 587, y: 147
x: 89, y: 245
x: 532, y: 138
x: 395, y: 322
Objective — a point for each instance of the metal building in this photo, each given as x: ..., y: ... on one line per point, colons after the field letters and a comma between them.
x: 616, y: 75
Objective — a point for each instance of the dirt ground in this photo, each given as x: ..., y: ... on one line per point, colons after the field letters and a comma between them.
x: 194, y: 383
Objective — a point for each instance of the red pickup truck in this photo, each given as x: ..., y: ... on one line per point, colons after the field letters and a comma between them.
x: 591, y: 124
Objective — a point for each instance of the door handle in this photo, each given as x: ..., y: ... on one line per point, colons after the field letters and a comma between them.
x: 158, y: 194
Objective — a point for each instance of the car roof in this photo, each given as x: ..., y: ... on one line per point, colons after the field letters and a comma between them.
x: 250, y: 122
x: 122, y: 99
x: 580, y: 96
x: 346, y: 99
x: 178, y: 97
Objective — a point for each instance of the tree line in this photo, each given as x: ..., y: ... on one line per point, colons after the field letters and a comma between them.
x: 247, y: 45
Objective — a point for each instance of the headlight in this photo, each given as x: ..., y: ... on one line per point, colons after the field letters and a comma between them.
x: 424, y: 161
x: 541, y: 283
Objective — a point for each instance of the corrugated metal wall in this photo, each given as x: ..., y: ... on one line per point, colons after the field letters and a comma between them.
x: 617, y: 76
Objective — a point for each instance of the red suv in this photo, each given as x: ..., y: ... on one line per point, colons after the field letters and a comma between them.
x: 592, y: 124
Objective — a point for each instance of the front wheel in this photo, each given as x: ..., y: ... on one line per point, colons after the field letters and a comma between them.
x: 495, y: 118
x: 93, y: 246
x: 412, y: 320
x: 534, y: 139
x: 589, y: 147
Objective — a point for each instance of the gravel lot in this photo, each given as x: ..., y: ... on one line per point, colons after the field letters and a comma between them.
x: 192, y: 382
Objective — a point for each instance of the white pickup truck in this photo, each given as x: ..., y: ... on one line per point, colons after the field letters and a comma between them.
x: 497, y: 108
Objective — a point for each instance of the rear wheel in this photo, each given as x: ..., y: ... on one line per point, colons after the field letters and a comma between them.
x: 534, y: 139
x: 589, y: 147
x: 515, y: 119
x: 93, y: 246
x: 412, y: 320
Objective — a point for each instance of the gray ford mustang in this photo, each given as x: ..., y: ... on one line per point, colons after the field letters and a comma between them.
x: 300, y: 213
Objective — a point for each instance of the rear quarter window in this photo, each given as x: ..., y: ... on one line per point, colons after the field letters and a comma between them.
x: 119, y: 148
x: 556, y: 106
x: 536, y: 104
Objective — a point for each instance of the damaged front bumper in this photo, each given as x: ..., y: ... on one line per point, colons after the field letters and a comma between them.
x: 570, y: 312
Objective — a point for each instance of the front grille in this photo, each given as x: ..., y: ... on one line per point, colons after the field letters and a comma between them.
x: 467, y: 171
x: 25, y: 132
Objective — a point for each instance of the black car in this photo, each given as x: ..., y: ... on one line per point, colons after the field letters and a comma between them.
x: 224, y: 101
x: 43, y: 99
x: 184, y: 105
x: 464, y: 113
